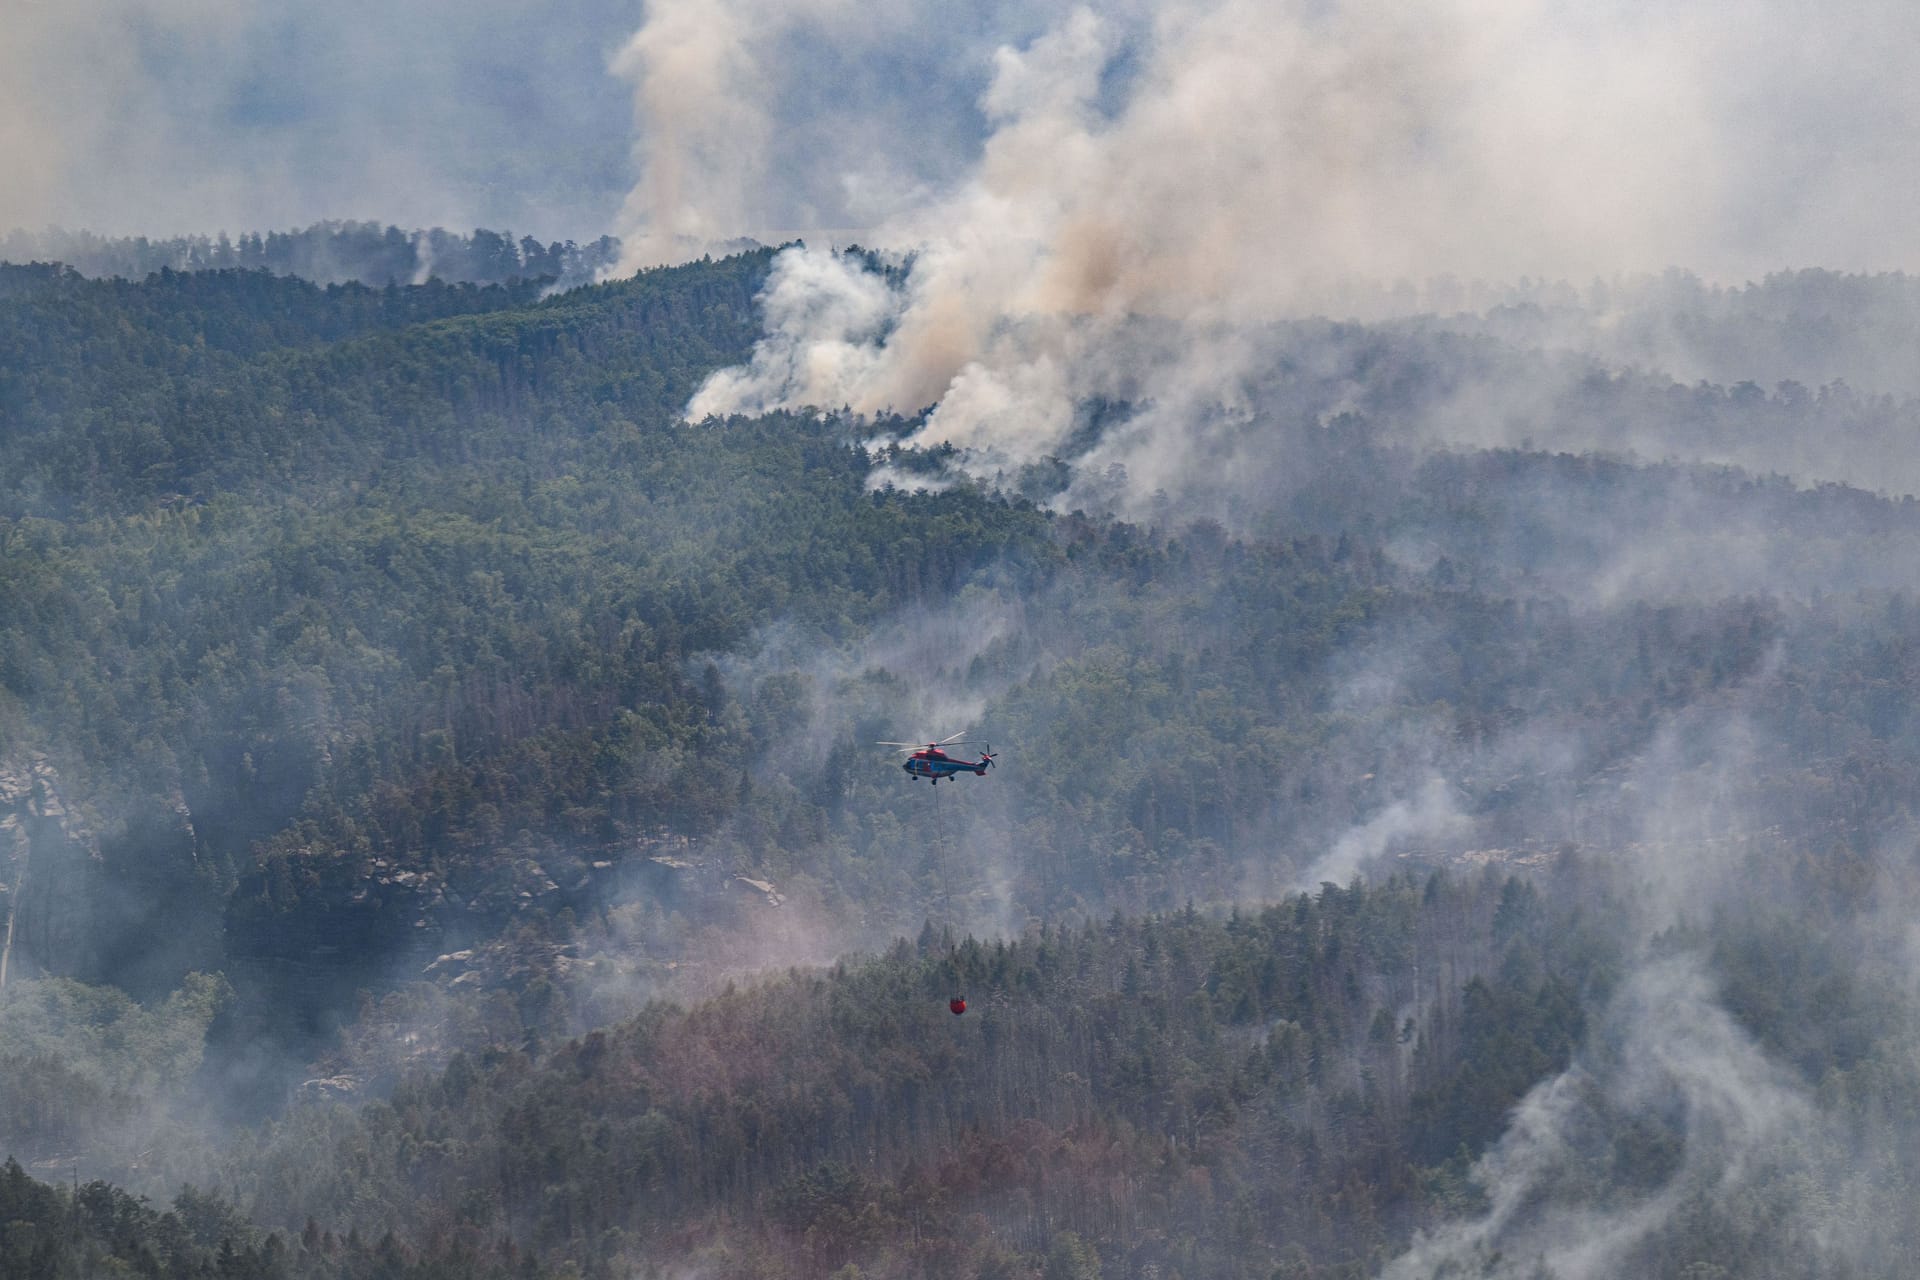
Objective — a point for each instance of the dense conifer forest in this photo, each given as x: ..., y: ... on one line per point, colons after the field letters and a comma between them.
x: 324, y: 253
x: 441, y: 832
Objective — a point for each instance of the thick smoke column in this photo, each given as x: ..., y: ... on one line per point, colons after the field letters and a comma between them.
x: 701, y: 134
x: 1151, y: 189
x: 772, y: 118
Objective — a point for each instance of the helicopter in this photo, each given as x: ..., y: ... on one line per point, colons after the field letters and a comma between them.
x: 933, y: 763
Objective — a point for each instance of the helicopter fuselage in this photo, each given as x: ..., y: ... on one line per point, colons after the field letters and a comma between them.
x: 934, y: 764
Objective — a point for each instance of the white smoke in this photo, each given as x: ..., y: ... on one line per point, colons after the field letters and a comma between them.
x: 769, y: 118
x: 701, y: 130
x: 842, y: 310
x: 1430, y: 813
x: 1665, y: 1047
x: 1153, y: 187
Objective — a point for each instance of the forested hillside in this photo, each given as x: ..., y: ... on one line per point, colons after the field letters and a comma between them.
x: 439, y: 807
x: 1293, y: 1090
x: 1208, y: 1095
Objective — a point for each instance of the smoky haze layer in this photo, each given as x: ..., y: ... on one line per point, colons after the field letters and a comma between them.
x: 1802, y: 375
x: 548, y: 699
x: 1104, y: 311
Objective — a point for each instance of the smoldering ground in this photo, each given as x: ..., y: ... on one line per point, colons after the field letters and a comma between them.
x: 1703, y: 823
x: 1664, y: 1048
x: 1690, y: 1108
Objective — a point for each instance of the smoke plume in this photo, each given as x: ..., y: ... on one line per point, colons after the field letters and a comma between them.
x: 1152, y: 190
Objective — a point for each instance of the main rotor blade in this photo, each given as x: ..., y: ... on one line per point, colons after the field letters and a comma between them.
x: 947, y: 742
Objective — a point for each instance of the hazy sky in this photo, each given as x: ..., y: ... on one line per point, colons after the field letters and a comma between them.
x: 1737, y: 135
x: 171, y: 116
